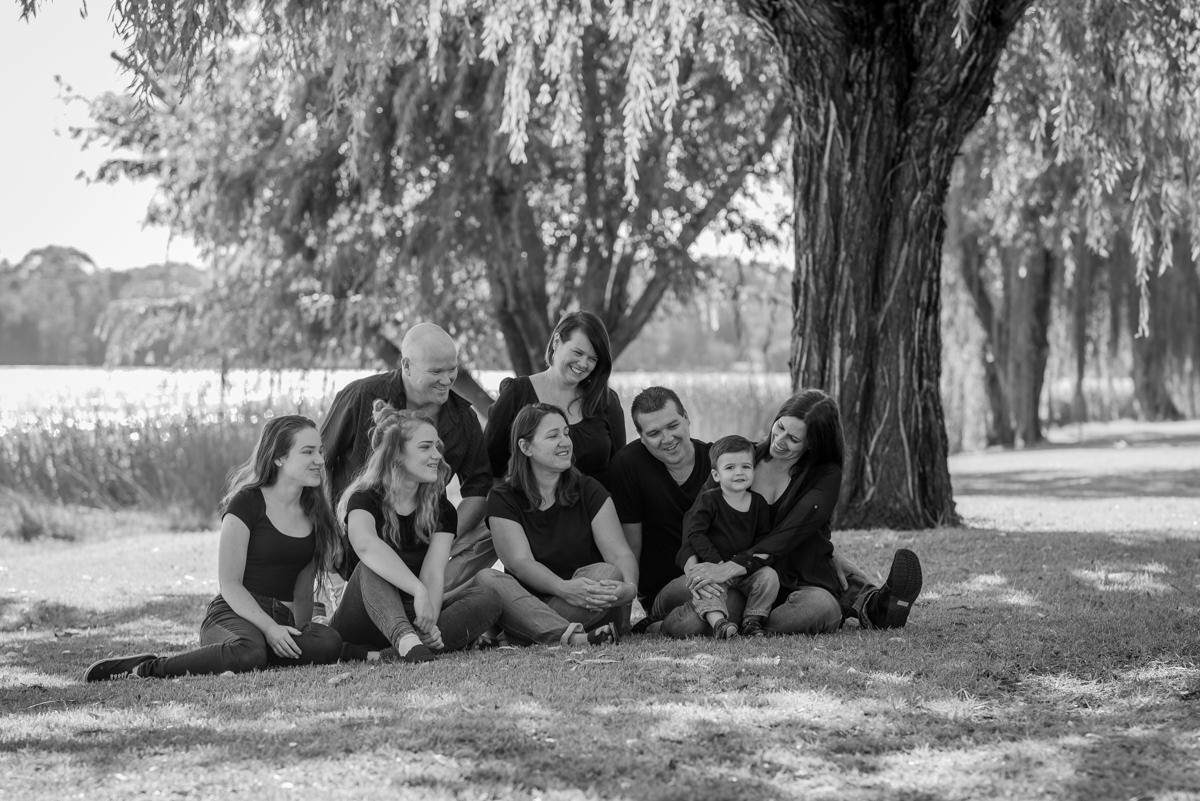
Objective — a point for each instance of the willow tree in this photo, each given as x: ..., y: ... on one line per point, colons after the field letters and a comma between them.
x: 881, y: 98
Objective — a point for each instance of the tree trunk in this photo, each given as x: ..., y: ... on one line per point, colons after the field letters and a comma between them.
x: 994, y: 350
x: 882, y: 99
x: 1081, y: 306
x: 1030, y: 286
x: 1150, y: 357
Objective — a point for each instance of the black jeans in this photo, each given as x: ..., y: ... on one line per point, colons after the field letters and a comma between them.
x: 229, y: 642
x: 374, y: 613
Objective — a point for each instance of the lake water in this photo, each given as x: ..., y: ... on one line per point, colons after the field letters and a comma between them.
x: 718, y: 402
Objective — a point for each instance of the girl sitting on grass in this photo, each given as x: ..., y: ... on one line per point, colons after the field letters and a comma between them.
x: 401, y: 527
x: 276, y: 531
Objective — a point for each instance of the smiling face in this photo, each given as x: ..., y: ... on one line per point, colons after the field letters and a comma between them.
x: 734, y: 471
x: 667, y: 434
x: 429, y: 373
x: 550, y: 446
x: 574, y: 358
x: 304, y: 463
x: 788, y: 438
x: 422, y: 454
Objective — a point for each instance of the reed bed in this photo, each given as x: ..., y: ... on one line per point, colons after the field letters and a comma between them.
x: 165, y: 441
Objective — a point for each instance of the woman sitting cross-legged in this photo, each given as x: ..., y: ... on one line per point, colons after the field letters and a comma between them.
x: 276, y: 531
x: 570, y: 574
x: 401, y: 527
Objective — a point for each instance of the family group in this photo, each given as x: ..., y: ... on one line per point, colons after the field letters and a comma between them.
x: 561, y: 525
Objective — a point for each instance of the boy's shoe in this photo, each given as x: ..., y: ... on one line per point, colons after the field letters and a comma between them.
x: 118, y: 667
x: 724, y: 629
x: 752, y: 626
x: 603, y: 634
x: 890, y: 607
x: 642, y: 625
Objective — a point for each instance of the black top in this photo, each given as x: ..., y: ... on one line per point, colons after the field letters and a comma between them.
x: 345, y: 433
x: 644, y: 492
x: 411, y: 550
x: 596, y: 439
x: 799, y: 541
x: 273, y: 559
x: 559, y: 537
x: 716, y: 532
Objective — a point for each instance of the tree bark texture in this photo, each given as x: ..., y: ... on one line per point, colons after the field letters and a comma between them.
x: 882, y: 98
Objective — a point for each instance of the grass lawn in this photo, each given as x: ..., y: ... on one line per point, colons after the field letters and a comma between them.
x: 1055, y: 653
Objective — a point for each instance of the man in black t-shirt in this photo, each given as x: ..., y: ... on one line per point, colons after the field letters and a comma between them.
x: 428, y: 367
x: 654, y: 480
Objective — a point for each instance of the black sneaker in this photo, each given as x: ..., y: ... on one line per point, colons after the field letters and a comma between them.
x: 895, y: 598
x: 724, y: 629
x: 602, y: 635
x: 118, y: 667
x: 420, y: 653
x: 642, y: 625
x: 752, y: 626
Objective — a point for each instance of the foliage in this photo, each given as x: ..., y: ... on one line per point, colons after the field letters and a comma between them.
x: 343, y: 187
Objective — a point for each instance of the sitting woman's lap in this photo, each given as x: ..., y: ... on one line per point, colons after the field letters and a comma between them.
x: 807, y: 610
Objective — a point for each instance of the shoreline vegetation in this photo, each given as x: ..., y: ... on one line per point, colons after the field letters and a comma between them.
x: 160, y: 440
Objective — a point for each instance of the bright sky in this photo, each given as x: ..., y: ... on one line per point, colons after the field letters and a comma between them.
x: 42, y: 201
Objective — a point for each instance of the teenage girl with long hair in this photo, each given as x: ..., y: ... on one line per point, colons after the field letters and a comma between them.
x: 277, y: 532
x: 401, y: 527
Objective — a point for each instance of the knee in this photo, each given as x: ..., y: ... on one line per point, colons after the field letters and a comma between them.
x: 683, y: 622
x: 809, y: 610
x: 323, y: 645
x: 489, y: 579
x: 244, y: 655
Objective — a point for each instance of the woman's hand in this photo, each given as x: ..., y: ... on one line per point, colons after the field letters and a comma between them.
x: 426, y: 615
x: 705, y: 578
x: 432, y: 637
x: 588, y: 593
x: 279, y: 637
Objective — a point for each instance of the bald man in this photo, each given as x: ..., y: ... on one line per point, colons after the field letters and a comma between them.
x: 428, y: 367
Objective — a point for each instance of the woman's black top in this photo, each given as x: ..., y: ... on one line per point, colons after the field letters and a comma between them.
x: 596, y: 438
x: 273, y: 559
x: 406, y: 545
x: 800, y: 536
x: 559, y: 537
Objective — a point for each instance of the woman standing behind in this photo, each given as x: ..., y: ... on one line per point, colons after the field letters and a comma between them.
x: 578, y: 366
x: 276, y: 531
x: 570, y: 574
x: 401, y: 527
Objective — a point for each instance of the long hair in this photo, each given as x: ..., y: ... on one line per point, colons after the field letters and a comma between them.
x: 520, y: 467
x: 390, y: 435
x: 275, y: 442
x: 595, y: 386
x: 823, y: 430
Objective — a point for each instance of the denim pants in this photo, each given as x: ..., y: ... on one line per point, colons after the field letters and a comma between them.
x: 528, y: 618
x: 815, y: 610
x: 760, y: 589
x: 229, y: 642
x: 374, y: 613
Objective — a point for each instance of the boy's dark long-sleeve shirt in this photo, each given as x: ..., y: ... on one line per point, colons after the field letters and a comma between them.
x: 713, y: 531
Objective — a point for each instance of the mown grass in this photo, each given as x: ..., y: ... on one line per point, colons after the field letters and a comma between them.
x: 1054, y: 654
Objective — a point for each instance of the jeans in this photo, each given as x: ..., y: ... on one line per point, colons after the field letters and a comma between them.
x: 229, y: 642
x: 761, y: 588
x: 471, y: 552
x: 374, y: 613
x: 814, y: 610
x: 528, y: 618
